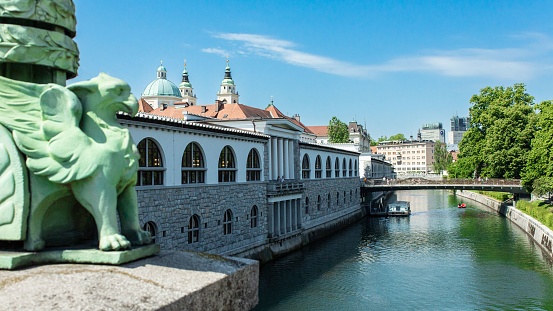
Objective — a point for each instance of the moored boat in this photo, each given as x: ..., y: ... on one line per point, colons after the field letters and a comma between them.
x: 461, y: 205
x: 399, y: 208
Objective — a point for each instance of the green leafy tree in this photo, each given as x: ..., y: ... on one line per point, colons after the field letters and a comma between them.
x: 501, y: 130
x: 539, y: 160
x: 442, y: 158
x: 337, y: 131
x: 398, y: 136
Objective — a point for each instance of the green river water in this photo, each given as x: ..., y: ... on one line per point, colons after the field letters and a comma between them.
x: 439, y: 258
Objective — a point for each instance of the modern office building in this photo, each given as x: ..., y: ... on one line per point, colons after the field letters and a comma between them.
x: 459, y: 126
x: 432, y: 131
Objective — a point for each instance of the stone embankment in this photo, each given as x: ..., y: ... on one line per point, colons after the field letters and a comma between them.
x: 541, y: 234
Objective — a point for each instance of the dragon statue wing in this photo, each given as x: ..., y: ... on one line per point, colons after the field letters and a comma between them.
x: 44, y: 121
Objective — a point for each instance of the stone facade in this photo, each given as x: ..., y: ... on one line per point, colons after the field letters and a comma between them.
x: 170, y: 208
x: 240, y: 216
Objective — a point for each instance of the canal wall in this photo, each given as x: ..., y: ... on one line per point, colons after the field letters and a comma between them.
x: 541, y: 234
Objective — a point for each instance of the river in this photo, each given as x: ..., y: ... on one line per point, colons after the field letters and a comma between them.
x: 439, y: 258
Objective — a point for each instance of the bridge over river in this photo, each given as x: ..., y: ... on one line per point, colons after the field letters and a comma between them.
x: 503, y: 185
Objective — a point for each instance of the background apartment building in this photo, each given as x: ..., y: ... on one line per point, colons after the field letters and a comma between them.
x: 409, y: 157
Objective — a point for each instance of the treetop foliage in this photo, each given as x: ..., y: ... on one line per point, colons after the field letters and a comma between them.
x: 509, y: 137
x: 337, y: 131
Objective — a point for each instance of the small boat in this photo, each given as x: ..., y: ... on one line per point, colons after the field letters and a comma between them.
x: 461, y: 205
x: 399, y: 208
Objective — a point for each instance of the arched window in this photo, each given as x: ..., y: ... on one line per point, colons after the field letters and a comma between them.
x: 253, y: 166
x: 318, y: 167
x: 351, y: 196
x: 193, y: 165
x: 150, y: 165
x: 350, y: 168
x: 319, y: 203
x: 253, y: 217
x: 337, y: 168
x: 328, y: 168
x: 305, y: 171
x: 151, y: 227
x: 227, y: 222
x: 307, y: 205
x: 355, y: 170
x: 337, y: 199
x: 194, y: 229
x: 227, y: 165
x: 344, y: 168
x: 328, y: 201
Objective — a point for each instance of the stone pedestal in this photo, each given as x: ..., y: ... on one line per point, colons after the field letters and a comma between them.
x: 168, y: 281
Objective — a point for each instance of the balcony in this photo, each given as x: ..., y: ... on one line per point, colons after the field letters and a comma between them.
x: 285, y: 187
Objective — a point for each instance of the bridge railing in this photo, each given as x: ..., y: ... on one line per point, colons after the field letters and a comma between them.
x: 445, y: 181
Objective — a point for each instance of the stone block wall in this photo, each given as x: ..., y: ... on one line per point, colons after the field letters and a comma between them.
x: 333, y: 186
x: 170, y: 209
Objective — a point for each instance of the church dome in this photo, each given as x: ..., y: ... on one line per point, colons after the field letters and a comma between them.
x: 161, y: 86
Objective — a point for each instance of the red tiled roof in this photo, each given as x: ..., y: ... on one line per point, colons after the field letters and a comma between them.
x: 226, y: 112
x: 144, y: 106
x: 319, y: 130
x: 374, y: 149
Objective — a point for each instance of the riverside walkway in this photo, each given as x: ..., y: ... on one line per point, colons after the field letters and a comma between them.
x: 502, y: 185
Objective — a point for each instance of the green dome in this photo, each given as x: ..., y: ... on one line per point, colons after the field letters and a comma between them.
x: 228, y: 82
x: 161, y: 87
x: 185, y: 84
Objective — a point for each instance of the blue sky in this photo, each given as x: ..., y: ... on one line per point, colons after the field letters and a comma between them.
x: 392, y: 65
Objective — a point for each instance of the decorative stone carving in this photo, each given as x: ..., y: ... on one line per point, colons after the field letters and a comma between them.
x: 19, y: 44
x: 56, y: 12
x: 14, y: 194
x: 75, y: 147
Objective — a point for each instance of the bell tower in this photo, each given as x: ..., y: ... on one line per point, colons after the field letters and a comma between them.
x: 186, y: 89
x: 227, y: 91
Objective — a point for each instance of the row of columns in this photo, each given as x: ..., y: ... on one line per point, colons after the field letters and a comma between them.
x: 281, y: 158
x: 284, y: 217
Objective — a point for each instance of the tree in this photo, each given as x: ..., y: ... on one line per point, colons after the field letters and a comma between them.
x: 397, y: 136
x: 538, y: 162
x: 442, y: 158
x: 337, y: 131
x: 501, y: 129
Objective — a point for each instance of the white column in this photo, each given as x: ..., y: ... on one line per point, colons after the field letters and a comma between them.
x: 273, y: 162
x: 277, y: 219
x: 288, y: 216
x: 280, y: 158
x: 286, y: 160
x: 298, y: 212
x: 282, y: 208
x: 270, y: 220
x: 292, y: 165
x: 294, y: 215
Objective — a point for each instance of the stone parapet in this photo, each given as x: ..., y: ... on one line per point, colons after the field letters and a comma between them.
x: 169, y: 281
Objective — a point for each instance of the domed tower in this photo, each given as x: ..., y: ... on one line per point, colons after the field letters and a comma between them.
x: 186, y: 89
x: 161, y: 92
x: 227, y: 90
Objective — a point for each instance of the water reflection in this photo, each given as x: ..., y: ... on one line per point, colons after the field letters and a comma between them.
x: 440, y: 257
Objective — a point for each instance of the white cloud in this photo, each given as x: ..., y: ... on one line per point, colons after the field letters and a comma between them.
x: 512, y: 64
x: 216, y: 51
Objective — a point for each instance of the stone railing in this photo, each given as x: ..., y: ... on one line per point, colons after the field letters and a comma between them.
x: 443, y: 181
x: 274, y: 187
